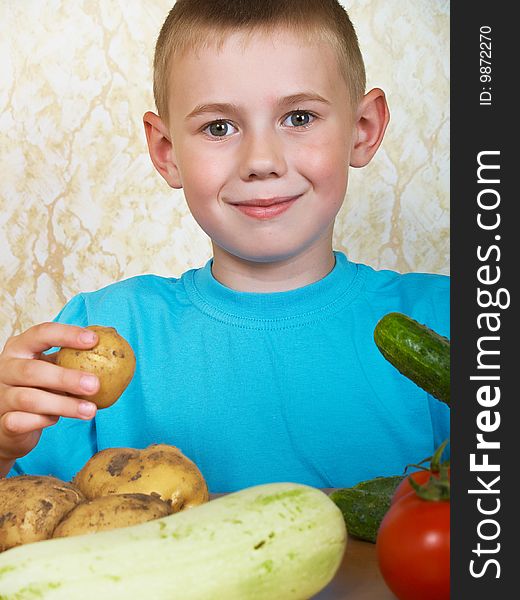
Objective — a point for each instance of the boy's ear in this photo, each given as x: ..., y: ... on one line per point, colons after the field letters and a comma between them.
x: 371, y: 120
x: 161, y: 150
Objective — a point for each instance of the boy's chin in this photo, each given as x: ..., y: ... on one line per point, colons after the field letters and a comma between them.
x: 261, y: 256
x: 258, y: 258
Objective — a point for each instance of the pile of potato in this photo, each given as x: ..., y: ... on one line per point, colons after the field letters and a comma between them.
x: 117, y: 487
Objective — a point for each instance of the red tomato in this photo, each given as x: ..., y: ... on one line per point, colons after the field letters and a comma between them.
x: 413, y: 549
x: 404, y: 488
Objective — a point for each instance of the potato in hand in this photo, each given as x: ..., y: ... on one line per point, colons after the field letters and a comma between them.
x: 111, y: 359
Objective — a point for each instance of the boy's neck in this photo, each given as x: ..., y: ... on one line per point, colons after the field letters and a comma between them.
x: 280, y: 276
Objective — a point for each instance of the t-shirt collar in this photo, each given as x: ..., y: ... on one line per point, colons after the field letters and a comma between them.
x: 313, y: 298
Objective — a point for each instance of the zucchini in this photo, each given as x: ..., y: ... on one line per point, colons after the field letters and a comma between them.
x: 278, y: 540
x: 417, y: 352
x: 364, y: 505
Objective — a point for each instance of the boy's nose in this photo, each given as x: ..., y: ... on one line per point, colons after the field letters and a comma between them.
x: 262, y: 156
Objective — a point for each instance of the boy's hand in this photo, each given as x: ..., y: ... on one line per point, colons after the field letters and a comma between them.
x: 35, y: 392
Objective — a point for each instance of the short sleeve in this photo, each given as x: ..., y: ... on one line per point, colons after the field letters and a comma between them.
x: 74, y: 312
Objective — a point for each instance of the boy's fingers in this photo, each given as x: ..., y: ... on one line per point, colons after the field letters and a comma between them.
x: 19, y: 423
x: 39, y: 338
x: 21, y: 400
x: 49, y: 357
x: 42, y: 374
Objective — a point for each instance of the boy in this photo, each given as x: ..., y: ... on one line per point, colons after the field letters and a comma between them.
x: 260, y: 366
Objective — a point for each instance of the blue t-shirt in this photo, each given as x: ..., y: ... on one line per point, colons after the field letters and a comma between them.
x: 260, y: 387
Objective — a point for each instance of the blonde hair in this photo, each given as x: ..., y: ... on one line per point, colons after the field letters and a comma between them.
x: 192, y: 24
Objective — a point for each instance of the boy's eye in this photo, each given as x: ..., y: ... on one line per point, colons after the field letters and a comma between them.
x: 219, y: 129
x: 299, y: 118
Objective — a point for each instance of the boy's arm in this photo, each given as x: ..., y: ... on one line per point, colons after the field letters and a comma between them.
x: 35, y: 392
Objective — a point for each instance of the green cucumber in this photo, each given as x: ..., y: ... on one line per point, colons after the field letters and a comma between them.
x: 278, y: 540
x: 364, y: 505
x: 417, y: 352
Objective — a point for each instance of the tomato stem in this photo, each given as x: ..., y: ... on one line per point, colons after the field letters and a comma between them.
x: 433, y: 461
x: 437, y: 488
x: 435, y: 464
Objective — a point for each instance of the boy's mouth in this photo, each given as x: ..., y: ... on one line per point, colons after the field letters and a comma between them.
x: 265, y: 208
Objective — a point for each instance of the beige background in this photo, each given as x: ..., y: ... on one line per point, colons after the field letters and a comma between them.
x: 80, y: 203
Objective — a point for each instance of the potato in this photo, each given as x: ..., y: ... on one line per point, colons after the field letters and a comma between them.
x: 112, y: 360
x: 31, y: 506
x: 111, y: 512
x: 159, y: 469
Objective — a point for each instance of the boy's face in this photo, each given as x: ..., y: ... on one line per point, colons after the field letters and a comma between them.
x: 262, y: 134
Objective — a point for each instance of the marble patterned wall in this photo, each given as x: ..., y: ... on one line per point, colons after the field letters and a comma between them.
x: 80, y: 203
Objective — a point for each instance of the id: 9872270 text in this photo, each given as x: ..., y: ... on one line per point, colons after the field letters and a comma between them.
x: 485, y: 65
